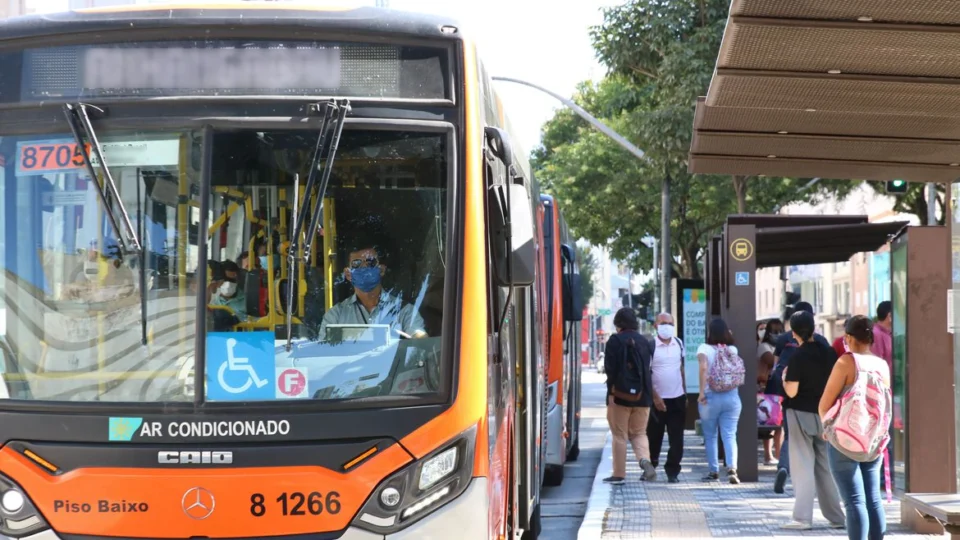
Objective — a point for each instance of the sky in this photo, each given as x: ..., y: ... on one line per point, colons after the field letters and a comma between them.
x: 546, y: 42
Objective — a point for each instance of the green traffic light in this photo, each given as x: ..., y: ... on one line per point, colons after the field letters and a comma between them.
x: 897, y: 186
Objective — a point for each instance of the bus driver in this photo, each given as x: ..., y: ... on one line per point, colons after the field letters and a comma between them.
x: 370, y: 304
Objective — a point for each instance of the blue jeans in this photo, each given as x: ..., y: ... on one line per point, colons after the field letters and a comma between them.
x: 859, y: 486
x: 785, y: 447
x: 723, y: 410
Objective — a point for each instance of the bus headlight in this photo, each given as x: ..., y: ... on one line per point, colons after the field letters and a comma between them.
x: 18, y: 516
x: 438, y: 467
x: 421, y: 487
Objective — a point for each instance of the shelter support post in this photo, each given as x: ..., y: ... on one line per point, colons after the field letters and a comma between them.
x: 924, y: 414
x: 739, y: 308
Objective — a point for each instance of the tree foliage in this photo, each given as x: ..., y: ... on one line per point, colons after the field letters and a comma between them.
x: 660, y: 55
x: 587, y: 265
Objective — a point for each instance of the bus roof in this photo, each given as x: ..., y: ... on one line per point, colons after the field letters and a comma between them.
x: 247, y: 14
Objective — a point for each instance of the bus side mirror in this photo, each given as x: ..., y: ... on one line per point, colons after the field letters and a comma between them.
x: 499, y: 143
x: 524, y: 255
x: 516, y: 220
x: 572, y: 300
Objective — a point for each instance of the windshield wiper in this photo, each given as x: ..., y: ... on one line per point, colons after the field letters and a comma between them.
x: 79, y: 120
x: 332, y: 126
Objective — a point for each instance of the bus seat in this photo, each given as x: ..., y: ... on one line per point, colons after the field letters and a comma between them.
x: 313, y: 301
x: 253, y: 290
x: 283, y: 290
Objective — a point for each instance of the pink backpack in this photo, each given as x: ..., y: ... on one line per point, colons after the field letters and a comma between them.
x: 727, y: 371
x: 858, y: 424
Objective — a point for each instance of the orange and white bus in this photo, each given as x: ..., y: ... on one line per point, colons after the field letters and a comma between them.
x: 562, y: 336
x: 270, y: 271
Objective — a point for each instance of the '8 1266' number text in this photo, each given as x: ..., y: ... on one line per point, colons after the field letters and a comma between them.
x: 296, y: 503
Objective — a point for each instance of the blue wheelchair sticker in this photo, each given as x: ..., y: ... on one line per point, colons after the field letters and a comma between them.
x: 240, y: 366
x: 743, y: 279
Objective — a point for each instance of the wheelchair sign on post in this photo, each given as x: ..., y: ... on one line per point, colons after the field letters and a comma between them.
x: 240, y: 366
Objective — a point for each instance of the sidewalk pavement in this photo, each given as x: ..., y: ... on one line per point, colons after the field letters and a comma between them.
x: 697, y: 509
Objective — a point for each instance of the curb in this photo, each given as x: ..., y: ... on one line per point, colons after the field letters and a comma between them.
x: 592, y: 526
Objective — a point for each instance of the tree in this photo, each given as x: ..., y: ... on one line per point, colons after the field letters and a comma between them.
x: 660, y: 55
x: 914, y: 201
x: 587, y: 265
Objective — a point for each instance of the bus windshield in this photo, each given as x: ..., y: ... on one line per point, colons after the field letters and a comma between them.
x: 367, y: 298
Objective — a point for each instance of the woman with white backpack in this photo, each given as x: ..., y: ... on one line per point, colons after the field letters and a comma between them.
x: 856, y: 408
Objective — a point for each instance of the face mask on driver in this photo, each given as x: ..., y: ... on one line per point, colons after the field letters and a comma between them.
x: 665, y: 331
x: 365, y: 278
x: 228, y: 288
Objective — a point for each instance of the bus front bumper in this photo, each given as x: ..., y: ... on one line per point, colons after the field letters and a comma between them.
x: 464, y: 518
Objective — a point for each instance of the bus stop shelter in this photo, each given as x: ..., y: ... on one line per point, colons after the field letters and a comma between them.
x: 750, y: 242
x: 846, y: 89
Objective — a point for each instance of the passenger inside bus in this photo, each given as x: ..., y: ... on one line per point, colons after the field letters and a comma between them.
x: 226, y: 292
x: 370, y: 303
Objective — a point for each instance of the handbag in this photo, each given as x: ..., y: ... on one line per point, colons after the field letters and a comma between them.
x: 769, y: 410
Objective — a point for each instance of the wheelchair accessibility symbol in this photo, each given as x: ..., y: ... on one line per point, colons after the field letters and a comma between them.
x: 240, y: 365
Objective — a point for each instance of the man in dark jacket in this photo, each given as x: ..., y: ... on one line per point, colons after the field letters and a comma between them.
x: 628, y: 414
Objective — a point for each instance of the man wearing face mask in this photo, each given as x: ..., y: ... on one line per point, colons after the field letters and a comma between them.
x: 370, y: 304
x: 225, y: 292
x: 670, y: 396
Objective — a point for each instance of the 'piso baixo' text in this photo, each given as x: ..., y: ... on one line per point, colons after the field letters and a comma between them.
x: 103, y: 506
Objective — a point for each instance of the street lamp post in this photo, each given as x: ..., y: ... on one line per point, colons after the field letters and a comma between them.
x: 638, y: 153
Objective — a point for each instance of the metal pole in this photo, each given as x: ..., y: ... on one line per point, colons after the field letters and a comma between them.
x: 665, y: 245
x: 665, y: 198
x: 582, y: 114
x: 656, y: 279
x: 931, y: 204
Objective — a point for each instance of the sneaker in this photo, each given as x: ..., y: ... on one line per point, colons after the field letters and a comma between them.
x: 780, y: 482
x: 840, y: 525
x: 711, y: 477
x: 732, y: 476
x: 796, y: 525
x: 615, y: 480
x: 673, y: 480
x: 649, y: 473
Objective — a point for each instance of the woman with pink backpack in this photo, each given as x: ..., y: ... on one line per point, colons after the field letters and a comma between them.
x: 856, y: 408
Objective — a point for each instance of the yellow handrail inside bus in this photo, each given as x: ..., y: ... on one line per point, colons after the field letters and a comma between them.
x: 329, y: 248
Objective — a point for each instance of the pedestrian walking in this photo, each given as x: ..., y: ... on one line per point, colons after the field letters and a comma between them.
x: 670, y: 385
x: 804, y: 381
x: 786, y: 347
x: 630, y: 395
x: 858, y: 388
x: 721, y: 375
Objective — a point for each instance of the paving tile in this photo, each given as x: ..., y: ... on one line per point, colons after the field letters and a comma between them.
x: 696, y: 509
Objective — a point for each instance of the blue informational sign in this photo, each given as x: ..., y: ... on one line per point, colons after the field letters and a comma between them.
x: 240, y: 366
x: 743, y: 279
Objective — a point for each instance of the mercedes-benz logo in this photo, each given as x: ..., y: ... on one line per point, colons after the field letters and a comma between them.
x: 198, y: 503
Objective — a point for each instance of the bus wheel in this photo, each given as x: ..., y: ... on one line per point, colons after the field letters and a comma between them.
x: 534, y: 532
x: 574, y: 452
x: 553, y: 475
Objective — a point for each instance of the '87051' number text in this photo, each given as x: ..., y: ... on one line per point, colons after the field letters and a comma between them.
x: 297, y: 504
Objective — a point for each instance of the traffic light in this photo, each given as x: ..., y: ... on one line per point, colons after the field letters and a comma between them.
x: 642, y: 304
x: 790, y: 301
x: 897, y: 186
